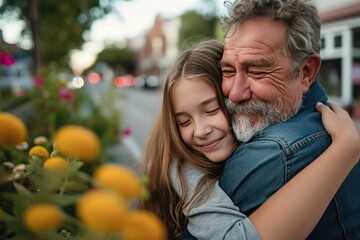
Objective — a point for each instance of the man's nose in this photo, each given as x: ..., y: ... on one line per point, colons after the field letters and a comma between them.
x: 240, y: 90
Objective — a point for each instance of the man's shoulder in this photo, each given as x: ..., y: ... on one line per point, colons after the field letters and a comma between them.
x: 303, y: 132
x: 305, y: 124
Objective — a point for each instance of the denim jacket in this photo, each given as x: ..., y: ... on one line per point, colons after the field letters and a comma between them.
x: 261, y: 166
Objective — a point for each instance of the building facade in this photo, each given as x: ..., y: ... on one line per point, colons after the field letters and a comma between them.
x: 340, y: 50
x: 157, y: 48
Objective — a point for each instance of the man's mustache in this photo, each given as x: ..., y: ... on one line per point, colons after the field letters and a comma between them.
x: 247, y: 107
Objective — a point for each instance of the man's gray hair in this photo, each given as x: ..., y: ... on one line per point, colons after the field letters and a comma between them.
x: 301, y: 19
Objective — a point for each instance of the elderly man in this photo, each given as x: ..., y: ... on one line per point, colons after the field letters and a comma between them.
x: 270, y: 64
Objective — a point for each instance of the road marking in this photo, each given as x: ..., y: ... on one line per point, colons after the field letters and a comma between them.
x: 131, y: 144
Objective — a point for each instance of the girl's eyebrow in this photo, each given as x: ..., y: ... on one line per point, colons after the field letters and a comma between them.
x: 210, y: 100
x: 204, y: 103
x: 180, y: 114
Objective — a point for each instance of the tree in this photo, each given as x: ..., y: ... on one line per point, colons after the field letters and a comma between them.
x: 120, y: 59
x: 55, y: 27
x: 202, y: 23
x: 195, y: 28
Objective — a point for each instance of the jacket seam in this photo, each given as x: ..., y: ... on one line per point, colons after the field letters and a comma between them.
x: 289, y: 151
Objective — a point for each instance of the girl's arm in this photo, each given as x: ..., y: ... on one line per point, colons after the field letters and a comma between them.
x: 301, y: 202
x: 298, y: 205
x: 216, y: 217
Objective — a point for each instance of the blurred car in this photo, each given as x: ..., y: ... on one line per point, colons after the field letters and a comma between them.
x: 15, y: 79
x: 152, y: 81
x: 147, y: 81
x: 139, y: 81
x: 124, y: 81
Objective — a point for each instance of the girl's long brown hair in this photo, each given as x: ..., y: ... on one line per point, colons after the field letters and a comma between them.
x: 165, y: 146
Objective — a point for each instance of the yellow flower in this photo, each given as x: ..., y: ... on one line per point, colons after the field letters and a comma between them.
x: 39, y: 151
x: 41, y: 218
x: 77, y: 142
x: 12, y: 131
x: 143, y: 224
x: 56, y: 163
x: 102, y: 210
x: 119, y: 178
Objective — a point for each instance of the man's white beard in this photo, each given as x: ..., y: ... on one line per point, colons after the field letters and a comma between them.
x: 245, y: 125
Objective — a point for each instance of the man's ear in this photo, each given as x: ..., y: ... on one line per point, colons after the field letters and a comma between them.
x: 309, y: 68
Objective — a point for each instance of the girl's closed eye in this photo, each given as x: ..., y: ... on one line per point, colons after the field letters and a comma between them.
x: 212, y: 111
x: 183, y: 123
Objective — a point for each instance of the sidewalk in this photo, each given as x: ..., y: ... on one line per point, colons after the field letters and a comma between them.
x: 127, y: 152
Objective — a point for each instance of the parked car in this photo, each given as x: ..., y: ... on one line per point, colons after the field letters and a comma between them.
x: 147, y: 81
x: 140, y: 81
x: 15, y: 79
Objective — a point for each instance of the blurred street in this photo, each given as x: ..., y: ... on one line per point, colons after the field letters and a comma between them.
x: 138, y: 108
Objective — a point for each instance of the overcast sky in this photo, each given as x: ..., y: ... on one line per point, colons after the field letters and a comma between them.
x: 139, y: 15
x: 135, y: 16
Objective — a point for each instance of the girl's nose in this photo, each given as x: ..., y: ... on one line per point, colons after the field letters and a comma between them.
x: 202, y: 130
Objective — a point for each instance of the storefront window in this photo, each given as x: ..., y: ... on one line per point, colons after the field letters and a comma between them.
x: 337, y: 41
x: 356, y: 37
x: 330, y: 76
x: 356, y: 78
x: 322, y: 43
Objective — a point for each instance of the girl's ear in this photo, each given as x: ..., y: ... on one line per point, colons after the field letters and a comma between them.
x: 309, y: 69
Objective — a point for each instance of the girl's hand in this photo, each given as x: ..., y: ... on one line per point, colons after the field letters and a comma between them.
x: 339, y: 124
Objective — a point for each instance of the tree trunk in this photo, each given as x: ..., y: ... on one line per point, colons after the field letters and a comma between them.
x: 34, y: 22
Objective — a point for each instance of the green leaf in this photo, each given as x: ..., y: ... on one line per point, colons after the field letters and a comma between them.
x: 22, y: 190
x: 66, y: 200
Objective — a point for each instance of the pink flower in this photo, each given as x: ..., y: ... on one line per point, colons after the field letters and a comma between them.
x: 6, y: 59
x: 38, y: 81
x: 66, y: 94
x: 127, y: 132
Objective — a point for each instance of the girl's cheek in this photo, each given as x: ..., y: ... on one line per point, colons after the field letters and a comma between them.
x: 186, y: 136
